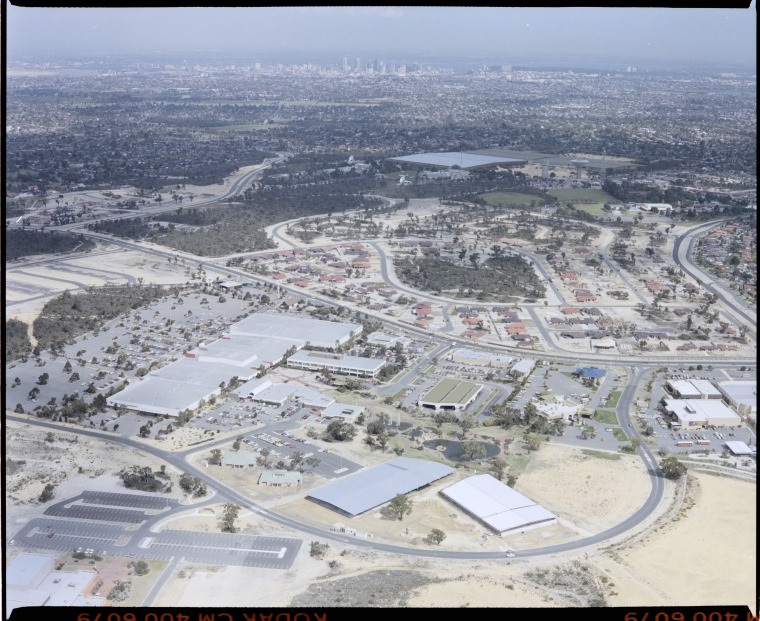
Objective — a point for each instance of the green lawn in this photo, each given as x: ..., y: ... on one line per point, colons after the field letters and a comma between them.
x: 512, y: 199
x: 582, y: 196
x: 590, y: 200
x: 608, y: 417
x: 619, y: 434
x: 614, y: 398
x: 601, y: 454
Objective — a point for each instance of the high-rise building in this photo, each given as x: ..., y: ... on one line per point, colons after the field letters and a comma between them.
x: 358, y: 66
x: 345, y: 63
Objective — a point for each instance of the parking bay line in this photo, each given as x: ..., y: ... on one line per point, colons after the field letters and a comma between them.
x: 280, y: 553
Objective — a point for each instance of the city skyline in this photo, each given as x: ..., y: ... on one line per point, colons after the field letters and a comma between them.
x: 646, y: 36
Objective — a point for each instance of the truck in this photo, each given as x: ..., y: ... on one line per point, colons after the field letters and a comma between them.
x: 684, y: 443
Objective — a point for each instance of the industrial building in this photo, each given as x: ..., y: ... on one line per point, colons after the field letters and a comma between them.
x: 278, y: 394
x: 498, y: 506
x: 740, y: 448
x: 693, y: 389
x: 373, y: 487
x: 299, y: 330
x: 388, y: 340
x: 260, y: 340
x: 742, y: 396
x: 480, y: 358
x: 343, y: 411
x: 522, y: 368
x: 458, y: 158
x: 698, y: 413
x: 450, y: 394
x: 336, y: 363
x: 32, y: 580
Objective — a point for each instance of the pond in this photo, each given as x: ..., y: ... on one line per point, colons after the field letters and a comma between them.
x: 452, y: 449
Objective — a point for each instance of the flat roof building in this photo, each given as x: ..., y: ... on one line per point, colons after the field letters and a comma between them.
x: 480, y: 358
x: 315, y: 332
x: 693, y: 389
x: 343, y: 411
x: 523, y: 367
x: 336, y: 363
x: 694, y: 413
x: 388, y: 340
x: 742, y: 396
x: 278, y: 394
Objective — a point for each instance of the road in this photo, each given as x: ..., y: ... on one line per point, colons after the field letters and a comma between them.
x: 683, y: 251
x: 223, y: 493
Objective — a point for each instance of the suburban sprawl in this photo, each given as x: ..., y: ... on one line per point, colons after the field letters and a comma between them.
x: 387, y: 334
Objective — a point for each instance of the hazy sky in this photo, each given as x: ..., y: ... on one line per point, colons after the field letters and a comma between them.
x: 512, y: 34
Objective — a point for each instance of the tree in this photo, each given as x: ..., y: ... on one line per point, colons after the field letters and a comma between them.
x: 47, y: 493
x: 436, y: 536
x: 400, y: 506
x: 19, y: 409
x: 236, y: 444
x: 672, y: 467
x: 472, y: 449
x: 228, y: 518
x: 216, y: 457
x: 340, y: 431
x: 498, y: 466
x: 67, y: 367
x: 42, y: 379
x: 141, y: 568
x: 144, y: 431
x: 466, y: 422
x: 532, y: 442
x: 318, y: 550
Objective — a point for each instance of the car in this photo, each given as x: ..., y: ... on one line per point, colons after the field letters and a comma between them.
x: 510, y: 554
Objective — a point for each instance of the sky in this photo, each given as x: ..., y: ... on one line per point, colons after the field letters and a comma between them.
x: 506, y: 34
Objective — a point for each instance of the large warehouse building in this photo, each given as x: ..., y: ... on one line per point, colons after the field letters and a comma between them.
x: 259, y: 340
x: 742, y: 396
x: 371, y: 488
x: 697, y: 413
x: 497, y: 505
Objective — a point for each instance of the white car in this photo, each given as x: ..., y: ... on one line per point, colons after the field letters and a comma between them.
x: 510, y: 554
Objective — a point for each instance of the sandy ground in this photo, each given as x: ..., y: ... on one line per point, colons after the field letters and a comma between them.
x: 700, y: 548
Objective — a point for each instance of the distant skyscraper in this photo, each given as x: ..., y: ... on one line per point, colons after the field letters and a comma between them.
x: 358, y: 66
x: 345, y: 63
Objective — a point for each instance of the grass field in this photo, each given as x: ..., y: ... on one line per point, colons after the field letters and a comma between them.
x: 614, y: 398
x: 619, y: 434
x: 512, y: 199
x: 608, y: 417
x: 590, y: 200
x: 600, y: 454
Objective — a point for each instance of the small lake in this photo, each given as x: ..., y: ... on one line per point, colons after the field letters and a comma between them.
x: 453, y: 448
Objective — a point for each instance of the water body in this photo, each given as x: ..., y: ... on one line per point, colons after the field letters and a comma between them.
x: 453, y: 448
